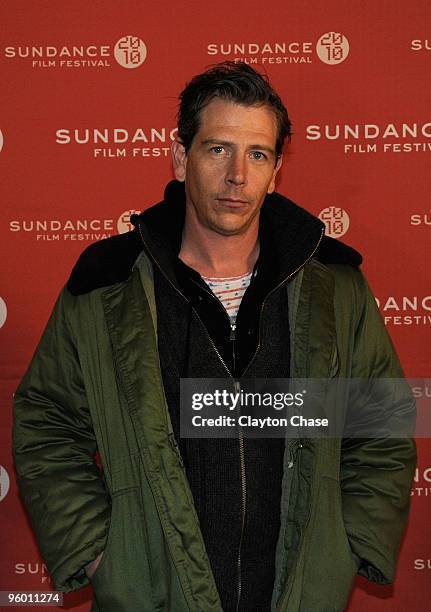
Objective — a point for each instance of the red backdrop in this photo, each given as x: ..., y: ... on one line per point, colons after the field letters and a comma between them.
x: 88, y: 104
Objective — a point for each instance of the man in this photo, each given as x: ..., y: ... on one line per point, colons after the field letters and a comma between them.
x: 210, y: 524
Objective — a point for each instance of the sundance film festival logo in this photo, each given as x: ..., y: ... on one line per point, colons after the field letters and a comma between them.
x: 123, y: 223
x: 70, y: 230
x: 58, y: 230
x: 405, y: 310
x: 336, y: 221
x: 3, y: 312
x: 119, y: 142
x: 4, y: 483
x: 371, y: 138
x: 129, y: 52
x: 331, y: 48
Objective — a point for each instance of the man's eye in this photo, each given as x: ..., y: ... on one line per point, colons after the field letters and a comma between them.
x: 217, y: 150
x: 258, y: 155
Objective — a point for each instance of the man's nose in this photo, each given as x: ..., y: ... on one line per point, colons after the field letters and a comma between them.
x: 237, y: 170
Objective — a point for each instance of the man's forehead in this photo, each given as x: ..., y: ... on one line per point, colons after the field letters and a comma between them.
x: 226, y: 115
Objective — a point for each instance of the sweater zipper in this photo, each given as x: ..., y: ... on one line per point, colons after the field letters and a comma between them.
x: 232, y: 339
x: 243, y: 504
x: 243, y: 476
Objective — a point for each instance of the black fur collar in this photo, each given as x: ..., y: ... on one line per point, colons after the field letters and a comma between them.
x: 288, y: 228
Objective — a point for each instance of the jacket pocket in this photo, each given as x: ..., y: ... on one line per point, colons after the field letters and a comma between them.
x: 122, y: 581
x: 330, y: 567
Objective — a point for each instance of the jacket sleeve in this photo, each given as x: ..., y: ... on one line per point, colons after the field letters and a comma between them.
x: 376, y: 473
x: 54, y: 450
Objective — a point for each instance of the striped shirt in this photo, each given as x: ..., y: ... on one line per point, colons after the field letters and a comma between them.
x: 229, y: 291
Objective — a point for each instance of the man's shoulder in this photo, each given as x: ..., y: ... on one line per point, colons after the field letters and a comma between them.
x: 333, y: 251
x: 343, y: 263
x: 296, y: 229
x: 111, y: 260
x: 105, y: 263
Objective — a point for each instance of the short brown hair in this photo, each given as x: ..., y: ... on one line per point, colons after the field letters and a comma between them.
x: 236, y: 82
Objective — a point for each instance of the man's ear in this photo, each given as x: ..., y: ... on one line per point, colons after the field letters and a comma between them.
x: 271, y: 186
x: 179, y: 160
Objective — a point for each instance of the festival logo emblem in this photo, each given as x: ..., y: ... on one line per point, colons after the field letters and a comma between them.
x: 130, y: 52
x: 332, y: 48
x: 123, y: 223
x: 336, y: 221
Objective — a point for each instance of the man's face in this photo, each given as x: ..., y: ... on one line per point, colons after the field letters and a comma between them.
x: 230, y: 166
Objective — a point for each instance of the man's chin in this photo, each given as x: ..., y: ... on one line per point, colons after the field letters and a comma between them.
x: 233, y: 223
x: 230, y: 229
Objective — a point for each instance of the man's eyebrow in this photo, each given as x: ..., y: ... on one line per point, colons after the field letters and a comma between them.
x: 217, y: 141
x: 259, y: 147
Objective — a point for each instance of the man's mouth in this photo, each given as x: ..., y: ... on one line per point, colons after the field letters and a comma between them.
x: 233, y: 201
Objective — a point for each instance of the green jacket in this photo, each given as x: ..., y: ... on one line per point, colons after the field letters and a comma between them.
x: 95, y: 383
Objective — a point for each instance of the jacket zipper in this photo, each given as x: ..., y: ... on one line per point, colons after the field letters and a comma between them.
x: 243, y: 504
x: 243, y: 476
x: 236, y: 386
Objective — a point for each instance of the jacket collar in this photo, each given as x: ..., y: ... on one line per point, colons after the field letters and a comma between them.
x: 288, y: 234
x: 287, y: 231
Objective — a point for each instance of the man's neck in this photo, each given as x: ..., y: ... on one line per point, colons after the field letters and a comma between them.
x: 218, y: 256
